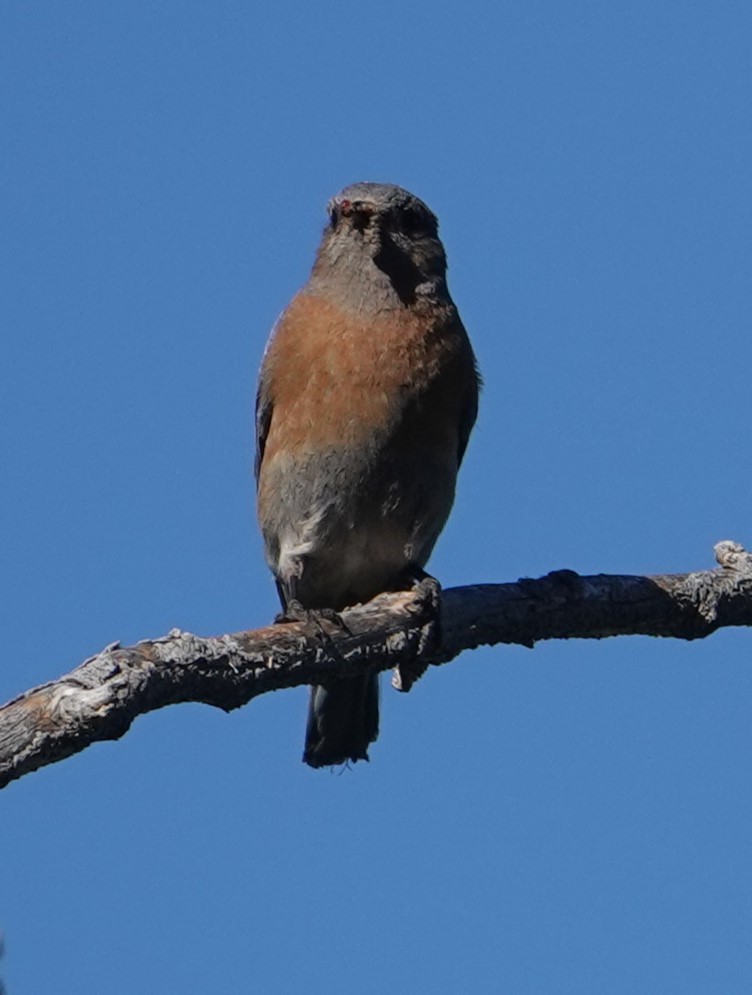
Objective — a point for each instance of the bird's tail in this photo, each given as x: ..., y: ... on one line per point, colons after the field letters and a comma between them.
x: 343, y: 719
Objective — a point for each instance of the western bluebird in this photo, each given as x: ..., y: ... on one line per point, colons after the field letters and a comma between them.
x: 367, y: 394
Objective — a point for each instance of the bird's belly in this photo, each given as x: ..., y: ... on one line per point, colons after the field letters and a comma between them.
x: 344, y: 527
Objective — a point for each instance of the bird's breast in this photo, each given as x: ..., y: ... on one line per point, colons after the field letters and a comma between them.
x: 338, y: 379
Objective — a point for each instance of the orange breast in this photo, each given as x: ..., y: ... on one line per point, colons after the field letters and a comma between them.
x: 333, y: 376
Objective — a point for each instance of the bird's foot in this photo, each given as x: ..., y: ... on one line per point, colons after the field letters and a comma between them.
x: 427, y: 604
x: 314, y: 617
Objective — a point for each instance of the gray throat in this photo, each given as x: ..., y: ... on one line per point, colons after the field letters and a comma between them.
x: 369, y: 281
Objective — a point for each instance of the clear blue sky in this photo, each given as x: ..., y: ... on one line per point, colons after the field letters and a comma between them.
x: 574, y: 819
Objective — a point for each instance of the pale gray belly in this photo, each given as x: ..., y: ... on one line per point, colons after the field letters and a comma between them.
x: 339, y: 528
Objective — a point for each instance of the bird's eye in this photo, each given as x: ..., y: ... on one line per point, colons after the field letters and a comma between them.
x: 331, y: 208
x: 411, y: 220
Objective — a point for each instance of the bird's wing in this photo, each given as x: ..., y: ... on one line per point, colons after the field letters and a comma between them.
x: 263, y: 420
x: 469, y: 409
x: 264, y: 404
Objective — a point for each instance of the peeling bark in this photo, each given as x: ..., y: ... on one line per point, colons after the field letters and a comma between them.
x: 408, y: 631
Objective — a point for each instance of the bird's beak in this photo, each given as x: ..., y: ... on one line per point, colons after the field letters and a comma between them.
x: 356, y: 209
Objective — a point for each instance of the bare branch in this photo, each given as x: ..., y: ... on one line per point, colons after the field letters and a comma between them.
x: 100, y: 698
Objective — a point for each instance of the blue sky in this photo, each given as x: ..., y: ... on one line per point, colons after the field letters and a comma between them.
x: 573, y: 819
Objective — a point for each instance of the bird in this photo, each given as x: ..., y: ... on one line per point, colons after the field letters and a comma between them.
x: 367, y: 394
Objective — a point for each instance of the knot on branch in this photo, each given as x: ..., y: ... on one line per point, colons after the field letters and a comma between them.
x: 733, y: 556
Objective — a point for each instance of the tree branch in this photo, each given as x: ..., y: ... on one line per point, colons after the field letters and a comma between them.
x: 100, y: 698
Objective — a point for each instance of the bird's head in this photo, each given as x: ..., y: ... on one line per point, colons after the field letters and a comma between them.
x: 390, y: 227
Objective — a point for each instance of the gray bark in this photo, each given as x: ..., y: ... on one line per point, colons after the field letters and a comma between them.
x: 408, y: 631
